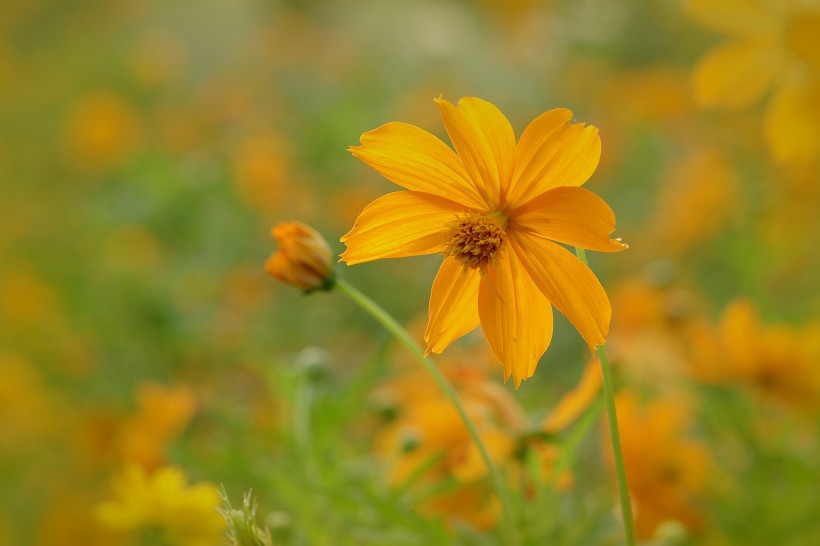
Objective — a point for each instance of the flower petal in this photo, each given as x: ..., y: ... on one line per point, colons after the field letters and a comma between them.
x: 736, y: 74
x: 735, y: 17
x: 414, y: 159
x: 576, y: 401
x: 515, y: 317
x: 792, y: 121
x: 403, y: 223
x: 569, y: 215
x: 567, y: 283
x: 453, y: 305
x: 485, y: 142
x: 553, y: 152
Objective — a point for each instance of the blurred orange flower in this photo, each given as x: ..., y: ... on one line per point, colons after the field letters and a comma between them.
x: 576, y: 401
x: 428, y: 446
x: 494, y: 210
x: 665, y: 470
x: 778, y: 362
x: 692, y: 203
x: 772, y: 45
x: 164, y: 412
x: 652, y: 318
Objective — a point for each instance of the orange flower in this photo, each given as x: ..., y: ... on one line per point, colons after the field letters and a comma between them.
x: 426, y: 444
x: 493, y: 209
x: 303, y: 259
x: 776, y: 361
x: 667, y: 471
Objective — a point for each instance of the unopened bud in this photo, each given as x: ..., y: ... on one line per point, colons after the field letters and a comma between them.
x: 303, y: 259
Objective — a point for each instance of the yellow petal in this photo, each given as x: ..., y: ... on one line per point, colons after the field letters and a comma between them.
x: 792, y: 121
x: 417, y: 160
x: 553, y: 152
x: 515, y: 317
x: 567, y: 283
x: 453, y: 305
x: 576, y: 401
x: 735, y: 17
x: 403, y: 223
x: 573, y: 216
x: 736, y: 74
x: 485, y: 142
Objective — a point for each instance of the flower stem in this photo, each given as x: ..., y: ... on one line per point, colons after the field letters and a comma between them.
x: 614, y: 434
x: 405, y: 339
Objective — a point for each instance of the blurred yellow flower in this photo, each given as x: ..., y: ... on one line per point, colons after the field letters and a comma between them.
x: 494, y: 210
x: 665, y: 470
x: 778, y: 362
x: 186, y: 515
x: 773, y: 45
x: 303, y: 259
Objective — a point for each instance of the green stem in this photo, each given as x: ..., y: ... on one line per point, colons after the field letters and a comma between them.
x: 405, y: 339
x: 614, y: 434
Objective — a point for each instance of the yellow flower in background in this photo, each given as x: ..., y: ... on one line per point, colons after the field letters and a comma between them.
x: 774, y: 45
x: 777, y: 362
x: 186, y: 515
x: 666, y: 470
x: 303, y: 259
x: 494, y: 209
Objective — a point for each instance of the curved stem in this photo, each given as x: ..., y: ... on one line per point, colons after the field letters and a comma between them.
x: 614, y: 434
x: 405, y: 339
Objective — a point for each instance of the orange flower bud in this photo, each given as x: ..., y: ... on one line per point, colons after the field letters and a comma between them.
x: 303, y: 259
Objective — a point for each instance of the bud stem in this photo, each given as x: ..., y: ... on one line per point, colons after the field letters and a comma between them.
x: 405, y: 339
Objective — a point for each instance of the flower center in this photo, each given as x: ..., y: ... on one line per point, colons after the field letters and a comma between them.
x: 477, y: 238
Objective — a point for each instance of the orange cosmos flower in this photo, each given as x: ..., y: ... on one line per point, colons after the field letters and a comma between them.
x: 493, y: 209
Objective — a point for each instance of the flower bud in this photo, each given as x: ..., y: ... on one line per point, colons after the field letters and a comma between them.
x: 303, y: 259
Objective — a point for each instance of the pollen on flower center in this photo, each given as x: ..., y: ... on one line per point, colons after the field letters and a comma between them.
x: 477, y: 238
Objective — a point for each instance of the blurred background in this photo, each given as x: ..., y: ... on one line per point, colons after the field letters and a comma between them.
x: 147, y: 147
